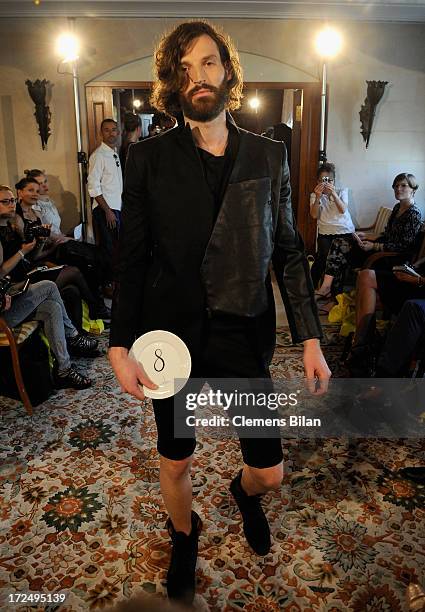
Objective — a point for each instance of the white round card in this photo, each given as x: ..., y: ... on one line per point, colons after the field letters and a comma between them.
x: 165, y: 359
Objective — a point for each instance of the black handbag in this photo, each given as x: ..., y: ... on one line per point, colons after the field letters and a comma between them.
x: 34, y: 362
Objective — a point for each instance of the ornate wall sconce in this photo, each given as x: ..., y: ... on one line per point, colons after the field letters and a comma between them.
x: 375, y: 91
x: 38, y: 91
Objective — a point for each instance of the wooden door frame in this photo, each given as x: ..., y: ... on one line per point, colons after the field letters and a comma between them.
x: 99, y: 106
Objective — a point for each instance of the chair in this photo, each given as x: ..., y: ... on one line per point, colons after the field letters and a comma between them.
x: 14, y: 338
x: 376, y: 228
x: 418, y: 250
x: 380, y: 222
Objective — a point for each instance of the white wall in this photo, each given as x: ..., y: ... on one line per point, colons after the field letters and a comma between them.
x: 397, y: 142
x: 271, y: 50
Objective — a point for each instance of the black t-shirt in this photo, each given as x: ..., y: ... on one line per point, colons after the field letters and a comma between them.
x: 217, y: 169
x: 11, y: 242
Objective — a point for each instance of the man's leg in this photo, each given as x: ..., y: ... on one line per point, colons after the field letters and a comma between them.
x: 176, y: 490
x: 262, y: 472
x: 233, y: 352
x: 183, y: 525
x: 257, y: 481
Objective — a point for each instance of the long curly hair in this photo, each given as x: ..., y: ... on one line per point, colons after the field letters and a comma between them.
x: 170, y: 80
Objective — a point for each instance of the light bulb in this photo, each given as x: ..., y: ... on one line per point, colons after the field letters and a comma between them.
x: 328, y: 42
x: 67, y: 47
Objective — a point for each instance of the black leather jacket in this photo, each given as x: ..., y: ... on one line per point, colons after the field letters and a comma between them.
x: 176, y: 260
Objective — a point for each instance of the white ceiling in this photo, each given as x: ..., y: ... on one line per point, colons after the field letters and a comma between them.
x: 361, y: 10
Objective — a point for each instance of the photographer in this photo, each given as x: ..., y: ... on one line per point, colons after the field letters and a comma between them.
x: 399, y: 237
x: 42, y: 302
x: 330, y: 207
x: 86, y: 257
x: 70, y: 281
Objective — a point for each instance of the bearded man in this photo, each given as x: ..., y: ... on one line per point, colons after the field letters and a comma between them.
x: 206, y: 208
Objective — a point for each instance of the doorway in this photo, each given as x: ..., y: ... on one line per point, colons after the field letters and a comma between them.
x: 285, y: 111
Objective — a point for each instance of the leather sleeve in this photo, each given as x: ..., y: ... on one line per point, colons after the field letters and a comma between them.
x: 292, y: 270
x: 133, y: 254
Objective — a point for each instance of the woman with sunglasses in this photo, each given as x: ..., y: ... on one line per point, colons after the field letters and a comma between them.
x: 28, y: 191
x: 41, y: 302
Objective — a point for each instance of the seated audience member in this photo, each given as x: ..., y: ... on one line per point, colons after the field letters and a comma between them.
x: 45, y: 208
x: 406, y: 336
x: 330, y: 207
x: 42, y: 302
x: 19, y: 226
x: 86, y: 257
x: 398, y: 236
x: 393, y: 290
x: 132, y: 133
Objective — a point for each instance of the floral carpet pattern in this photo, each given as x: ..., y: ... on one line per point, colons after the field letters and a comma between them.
x: 81, y: 512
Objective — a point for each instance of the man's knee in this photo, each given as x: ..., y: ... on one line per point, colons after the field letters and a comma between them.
x: 175, y: 469
x: 268, y: 478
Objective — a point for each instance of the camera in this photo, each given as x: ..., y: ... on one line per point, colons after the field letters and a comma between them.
x: 33, y: 230
x: 5, y: 284
x: 326, y: 179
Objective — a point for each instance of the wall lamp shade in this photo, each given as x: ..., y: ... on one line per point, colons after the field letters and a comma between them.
x: 375, y: 91
x: 68, y: 47
x: 38, y: 92
x: 328, y: 43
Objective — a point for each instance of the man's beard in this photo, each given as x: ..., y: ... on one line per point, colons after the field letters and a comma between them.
x: 205, y: 108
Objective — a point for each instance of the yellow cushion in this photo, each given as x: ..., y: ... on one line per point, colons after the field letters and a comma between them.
x: 21, y: 333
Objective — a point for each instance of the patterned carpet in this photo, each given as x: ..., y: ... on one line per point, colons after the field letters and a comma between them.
x: 81, y: 513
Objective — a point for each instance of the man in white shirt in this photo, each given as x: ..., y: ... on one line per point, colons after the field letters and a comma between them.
x: 105, y: 187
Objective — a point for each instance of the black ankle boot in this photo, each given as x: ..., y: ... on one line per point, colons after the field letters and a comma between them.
x: 181, y: 573
x: 255, y: 525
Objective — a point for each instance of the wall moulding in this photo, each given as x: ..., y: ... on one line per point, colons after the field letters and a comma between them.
x: 379, y: 10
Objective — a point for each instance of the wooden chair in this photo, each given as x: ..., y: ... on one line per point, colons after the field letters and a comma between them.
x: 418, y: 250
x: 380, y: 222
x: 376, y: 228
x: 14, y: 338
